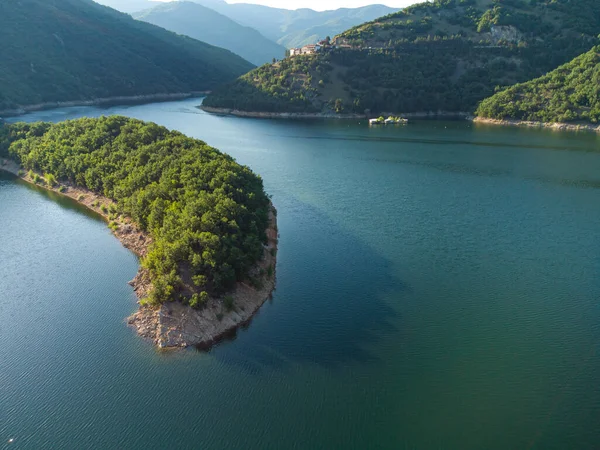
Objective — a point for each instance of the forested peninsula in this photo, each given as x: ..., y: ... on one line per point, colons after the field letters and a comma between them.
x: 202, y: 224
x: 569, y: 94
x: 440, y: 56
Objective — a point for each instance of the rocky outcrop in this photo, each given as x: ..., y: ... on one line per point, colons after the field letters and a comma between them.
x: 177, y: 325
x: 507, y: 33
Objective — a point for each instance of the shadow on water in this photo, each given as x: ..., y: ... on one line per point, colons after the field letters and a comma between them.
x: 419, y: 132
x: 488, y: 172
x: 61, y: 200
x: 329, y: 307
x: 439, y: 142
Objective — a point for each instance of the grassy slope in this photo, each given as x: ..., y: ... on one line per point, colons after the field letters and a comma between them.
x: 447, y: 55
x: 206, y: 25
x: 65, y: 50
x: 570, y: 93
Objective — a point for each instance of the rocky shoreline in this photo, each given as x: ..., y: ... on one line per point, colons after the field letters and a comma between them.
x: 107, y: 101
x: 532, y: 124
x: 175, y: 325
x: 122, y: 227
x: 322, y: 115
x: 418, y: 115
x: 273, y: 115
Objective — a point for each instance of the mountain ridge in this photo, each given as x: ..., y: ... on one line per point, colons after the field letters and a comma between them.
x: 446, y: 55
x: 78, y: 50
x: 204, y: 24
x: 294, y: 28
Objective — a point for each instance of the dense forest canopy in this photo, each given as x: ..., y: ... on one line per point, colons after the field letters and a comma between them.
x: 445, y: 55
x: 64, y: 50
x: 570, y: 93
x: 206, y: 213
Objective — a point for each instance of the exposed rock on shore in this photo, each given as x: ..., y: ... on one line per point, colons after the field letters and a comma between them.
x: 178, y: 325
x: 324, y: 115
x: 552, y: 125
x: 282, y: 115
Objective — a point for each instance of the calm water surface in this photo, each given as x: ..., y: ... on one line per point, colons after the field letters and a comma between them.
x: 438, y: 288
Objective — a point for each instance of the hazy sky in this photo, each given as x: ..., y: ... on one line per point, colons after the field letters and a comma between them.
x: 321, y: 5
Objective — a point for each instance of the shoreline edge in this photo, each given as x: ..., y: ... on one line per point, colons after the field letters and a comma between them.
x: 174, y: 325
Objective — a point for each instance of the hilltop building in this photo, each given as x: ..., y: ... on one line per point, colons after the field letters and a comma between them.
x: 310, y: 49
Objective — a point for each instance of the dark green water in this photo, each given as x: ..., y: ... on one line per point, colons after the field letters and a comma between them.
x: 438, y: 288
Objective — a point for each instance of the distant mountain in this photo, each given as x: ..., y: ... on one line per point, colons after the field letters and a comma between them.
x: 207, y: 25
x: 129, y: 6
x: 66, y: 50
x: 294, y: 28
x: 570, y: 93
x: 446, y: 55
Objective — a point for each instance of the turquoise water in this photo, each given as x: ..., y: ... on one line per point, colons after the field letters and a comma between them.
x: 437, y: 288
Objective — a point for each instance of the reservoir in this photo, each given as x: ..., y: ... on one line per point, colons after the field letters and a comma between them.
x: 438, y: 287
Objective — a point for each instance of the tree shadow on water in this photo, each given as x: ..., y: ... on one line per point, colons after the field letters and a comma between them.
x: 329, y: 306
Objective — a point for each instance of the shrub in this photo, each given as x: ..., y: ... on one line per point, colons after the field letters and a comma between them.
x: 199, y: 300
x: 199, y: 280
x: 50, y: 180
x: 228, y: 302
x: 62, y: 189
x: 256, y: 283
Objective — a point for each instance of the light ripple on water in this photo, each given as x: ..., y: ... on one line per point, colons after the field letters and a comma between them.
x: 437, y: 292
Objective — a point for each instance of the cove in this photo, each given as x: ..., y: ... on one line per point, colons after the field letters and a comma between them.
x: 437, y: 287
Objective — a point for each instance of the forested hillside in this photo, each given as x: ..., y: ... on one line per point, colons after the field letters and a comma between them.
x: 64, y: 50
x: 570, y: 93
x: 206, y: 25
x: 207, y: 215
x: 446, y: 55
